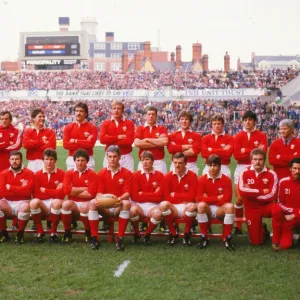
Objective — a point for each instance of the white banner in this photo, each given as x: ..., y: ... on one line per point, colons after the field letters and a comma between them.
x: 6, y: 95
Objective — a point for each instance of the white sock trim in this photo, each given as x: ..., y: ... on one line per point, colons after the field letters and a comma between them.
x: 167, y: 212
x: 93, y: 215
x: 238, y: 206
x: 191, y: 214
x: 152, y: 220
x: 35, y: 211
x: 66, y: 212
x: 2, y: 214
x: 202, y: 218
x: 229, y: 219
x: 55, y: 211
x: 133, y: 219
x: 84, y: 215
x: 124, y: 214
x: 23, y: 216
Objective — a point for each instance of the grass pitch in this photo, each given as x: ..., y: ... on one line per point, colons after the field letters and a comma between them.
x: 73, y: 271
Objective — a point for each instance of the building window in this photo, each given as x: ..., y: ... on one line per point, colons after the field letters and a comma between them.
x: 133, y: 46
x: 100, y: 46
x: 116, y: 55
x: 100, y: 66
x: 116, y: 46
x: 97, y: 54
x: 130, y: 55
x: 115, y: 66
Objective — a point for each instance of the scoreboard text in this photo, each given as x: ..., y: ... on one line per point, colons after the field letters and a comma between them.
x: 68, y: 49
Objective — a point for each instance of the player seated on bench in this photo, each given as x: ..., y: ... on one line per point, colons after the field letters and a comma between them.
x: 180, y: 187
x: 214, y: 196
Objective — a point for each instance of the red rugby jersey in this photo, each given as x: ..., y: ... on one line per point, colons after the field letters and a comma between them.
x: 34, y: 143
x: 21, y: 184
x: 50, y: 183
x: 73, y: 178
x: 85, y: 134
x: 117, y: 184
x: 286, y: 152
x: 10, y: 139
x: 185, y: 188
x: 289, y: 195
x: 217, y: 143
x: 213, y: 188
x: 190, y: 138
x: 249, y: 141
x: 109, y: 131
x: 251, y: 186
x: 147, y: 186
x: 143, y: 132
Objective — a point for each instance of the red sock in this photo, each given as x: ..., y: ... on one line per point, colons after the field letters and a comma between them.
x: 123, y: 221
x: 86, y: 223
x: 37, y: 219
x: 22, y: 224
x: 169, y: 219
x: 189, y: 221
x: 152, y: 225
x: 135, y: 226
x: 14, y: 222
x: 55, y: 218
x: 239, y: 212
x: 67, y: 220
x: 2, y: 223
x: 227, y: 228
x: 203, y: 228
x: 94, y: 224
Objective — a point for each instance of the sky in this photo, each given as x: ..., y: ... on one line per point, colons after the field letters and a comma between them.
x: 266, y: 27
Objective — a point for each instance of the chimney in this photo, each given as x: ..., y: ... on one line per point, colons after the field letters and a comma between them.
x: 137, y: 59
x: 172, y: 56
x: 178, y: 57
x: 205, y: 62
x: 226, y: 62
x: 64, y: 23
x: 147, y: 50
x: 196, y: 52
x: 125, y: 61
x: 109, y: 36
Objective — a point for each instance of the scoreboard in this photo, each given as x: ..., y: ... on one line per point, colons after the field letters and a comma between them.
x: 53, y: 49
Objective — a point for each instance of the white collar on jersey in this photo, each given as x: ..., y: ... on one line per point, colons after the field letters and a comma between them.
x: 54, y: 171
x: 263, y: 170
x: 75, y: 170
x: 223, y: 133
x: 10, y: 169
x: 113, y: 119
x: 152, y: 172
x: 185, y: 172
x: 218, y: 177
x: 250, y: 131
x: 147, y: 125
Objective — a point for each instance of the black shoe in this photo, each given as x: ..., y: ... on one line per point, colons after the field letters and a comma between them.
x: 136, y: 239
x: 228, y: 243
x: 39, y: 238
x: 187, y: 239
x: 236, y: 231
x: 53, y: 238
x: 94, y: 243
x: 74, y: 225
x: 143, y: 227
x: 49, y: 225
x: 19, y: 238
x: 163, y: 227
x: 193, y: 229
x: 172, y: 239
x: 67, y: 237
x: 266, y: 232
x: 4, y: 237
x: 87, y: 236
x: 147, y: 241
x: 204, y: 242
x: 104, y: 226
x: 15, y: 227
x: 120, y: 244
x: 33, y: 227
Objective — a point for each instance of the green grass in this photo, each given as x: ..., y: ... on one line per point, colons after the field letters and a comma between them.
x: 157, y: 272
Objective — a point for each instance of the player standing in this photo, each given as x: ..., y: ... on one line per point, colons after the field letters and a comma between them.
x: 16, y: 185
x: 284, y: 149
x: 244, y: 142
x: 258, y: 187
x: 118, y: 131
x: 289, y: 201
x: 37, y: 139
x: 214, y: 197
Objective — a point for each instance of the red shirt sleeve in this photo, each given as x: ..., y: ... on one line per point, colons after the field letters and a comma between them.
x: 28, y: 188
x: 129, y: 135
x: 66, y: 138
x: 51, y: 137
x: 67, y: 185
x: 92, y: 188
x: 29, y: 143
x: 104, y: 137
x: 89, y: 143
x: 173, y: 146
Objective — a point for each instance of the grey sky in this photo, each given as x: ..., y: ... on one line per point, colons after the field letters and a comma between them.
x: 236, y: 26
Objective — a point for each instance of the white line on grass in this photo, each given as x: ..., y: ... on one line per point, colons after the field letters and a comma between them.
x: 122, y: 268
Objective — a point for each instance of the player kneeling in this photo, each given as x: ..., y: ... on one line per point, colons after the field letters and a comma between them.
x: 16, y: 184
x: 214, y: 196
x: 48, y: 194
x: 147, y: 193
x: 80, y: 184
x: 180, y: 187
x: 117, y: 181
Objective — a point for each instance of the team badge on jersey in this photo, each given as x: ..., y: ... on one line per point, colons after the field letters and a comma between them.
x: 121, y: 180
x: 154, y: 184
x: 265, y: 180
x: 220, y: 190
x: 86, y: 134
x: 292, y: 146
x: 1, y: 135
x: 12, y: 134
x: 223, y: 145
x: 190, y: 141
x: 124, y: 128
x: 157, y: 134
x: 86, y: 182
x: 56, y: 182
x: 256, y: 143
x: 186, y: 187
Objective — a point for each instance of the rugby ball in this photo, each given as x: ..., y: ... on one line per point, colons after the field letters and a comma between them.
x: 106, y: 201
